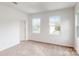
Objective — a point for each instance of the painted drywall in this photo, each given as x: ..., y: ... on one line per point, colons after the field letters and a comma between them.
x: 66, y: 36
x: 10, y: 25
x: 76, y: 42
x: 9, y: 34
x: 23, y: 30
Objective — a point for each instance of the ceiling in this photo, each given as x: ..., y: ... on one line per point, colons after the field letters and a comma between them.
x: 35, y: 7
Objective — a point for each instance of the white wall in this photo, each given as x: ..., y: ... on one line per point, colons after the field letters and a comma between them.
x: 10, y: 21
x: 23, y: 32
x: 76, y: 43
x: 66, y: 36
x: 9, y: 33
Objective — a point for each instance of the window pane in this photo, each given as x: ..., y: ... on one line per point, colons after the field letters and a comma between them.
x: 36, y: 25
x: 54, y: 23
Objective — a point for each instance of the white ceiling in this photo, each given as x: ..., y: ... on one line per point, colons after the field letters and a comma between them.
x: 35, y: 7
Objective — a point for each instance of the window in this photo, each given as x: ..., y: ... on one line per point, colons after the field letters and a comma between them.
x: 36, y: 25
x: 54, y: 24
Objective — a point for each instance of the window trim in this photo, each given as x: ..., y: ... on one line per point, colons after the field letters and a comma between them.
x: 39, y: 26
x: 54, y: 25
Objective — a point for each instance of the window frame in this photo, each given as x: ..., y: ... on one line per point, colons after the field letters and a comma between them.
x: 50, y: 24
x: 38, y: 25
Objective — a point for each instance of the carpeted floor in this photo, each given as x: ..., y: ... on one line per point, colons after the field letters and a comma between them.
x: 33, y: 48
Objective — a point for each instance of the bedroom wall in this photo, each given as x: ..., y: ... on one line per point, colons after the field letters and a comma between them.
x: 10, y: 21
x: 76, y: 42
x: 66, y: 36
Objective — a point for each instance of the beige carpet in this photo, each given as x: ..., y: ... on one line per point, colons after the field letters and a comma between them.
x: 32, y: 48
